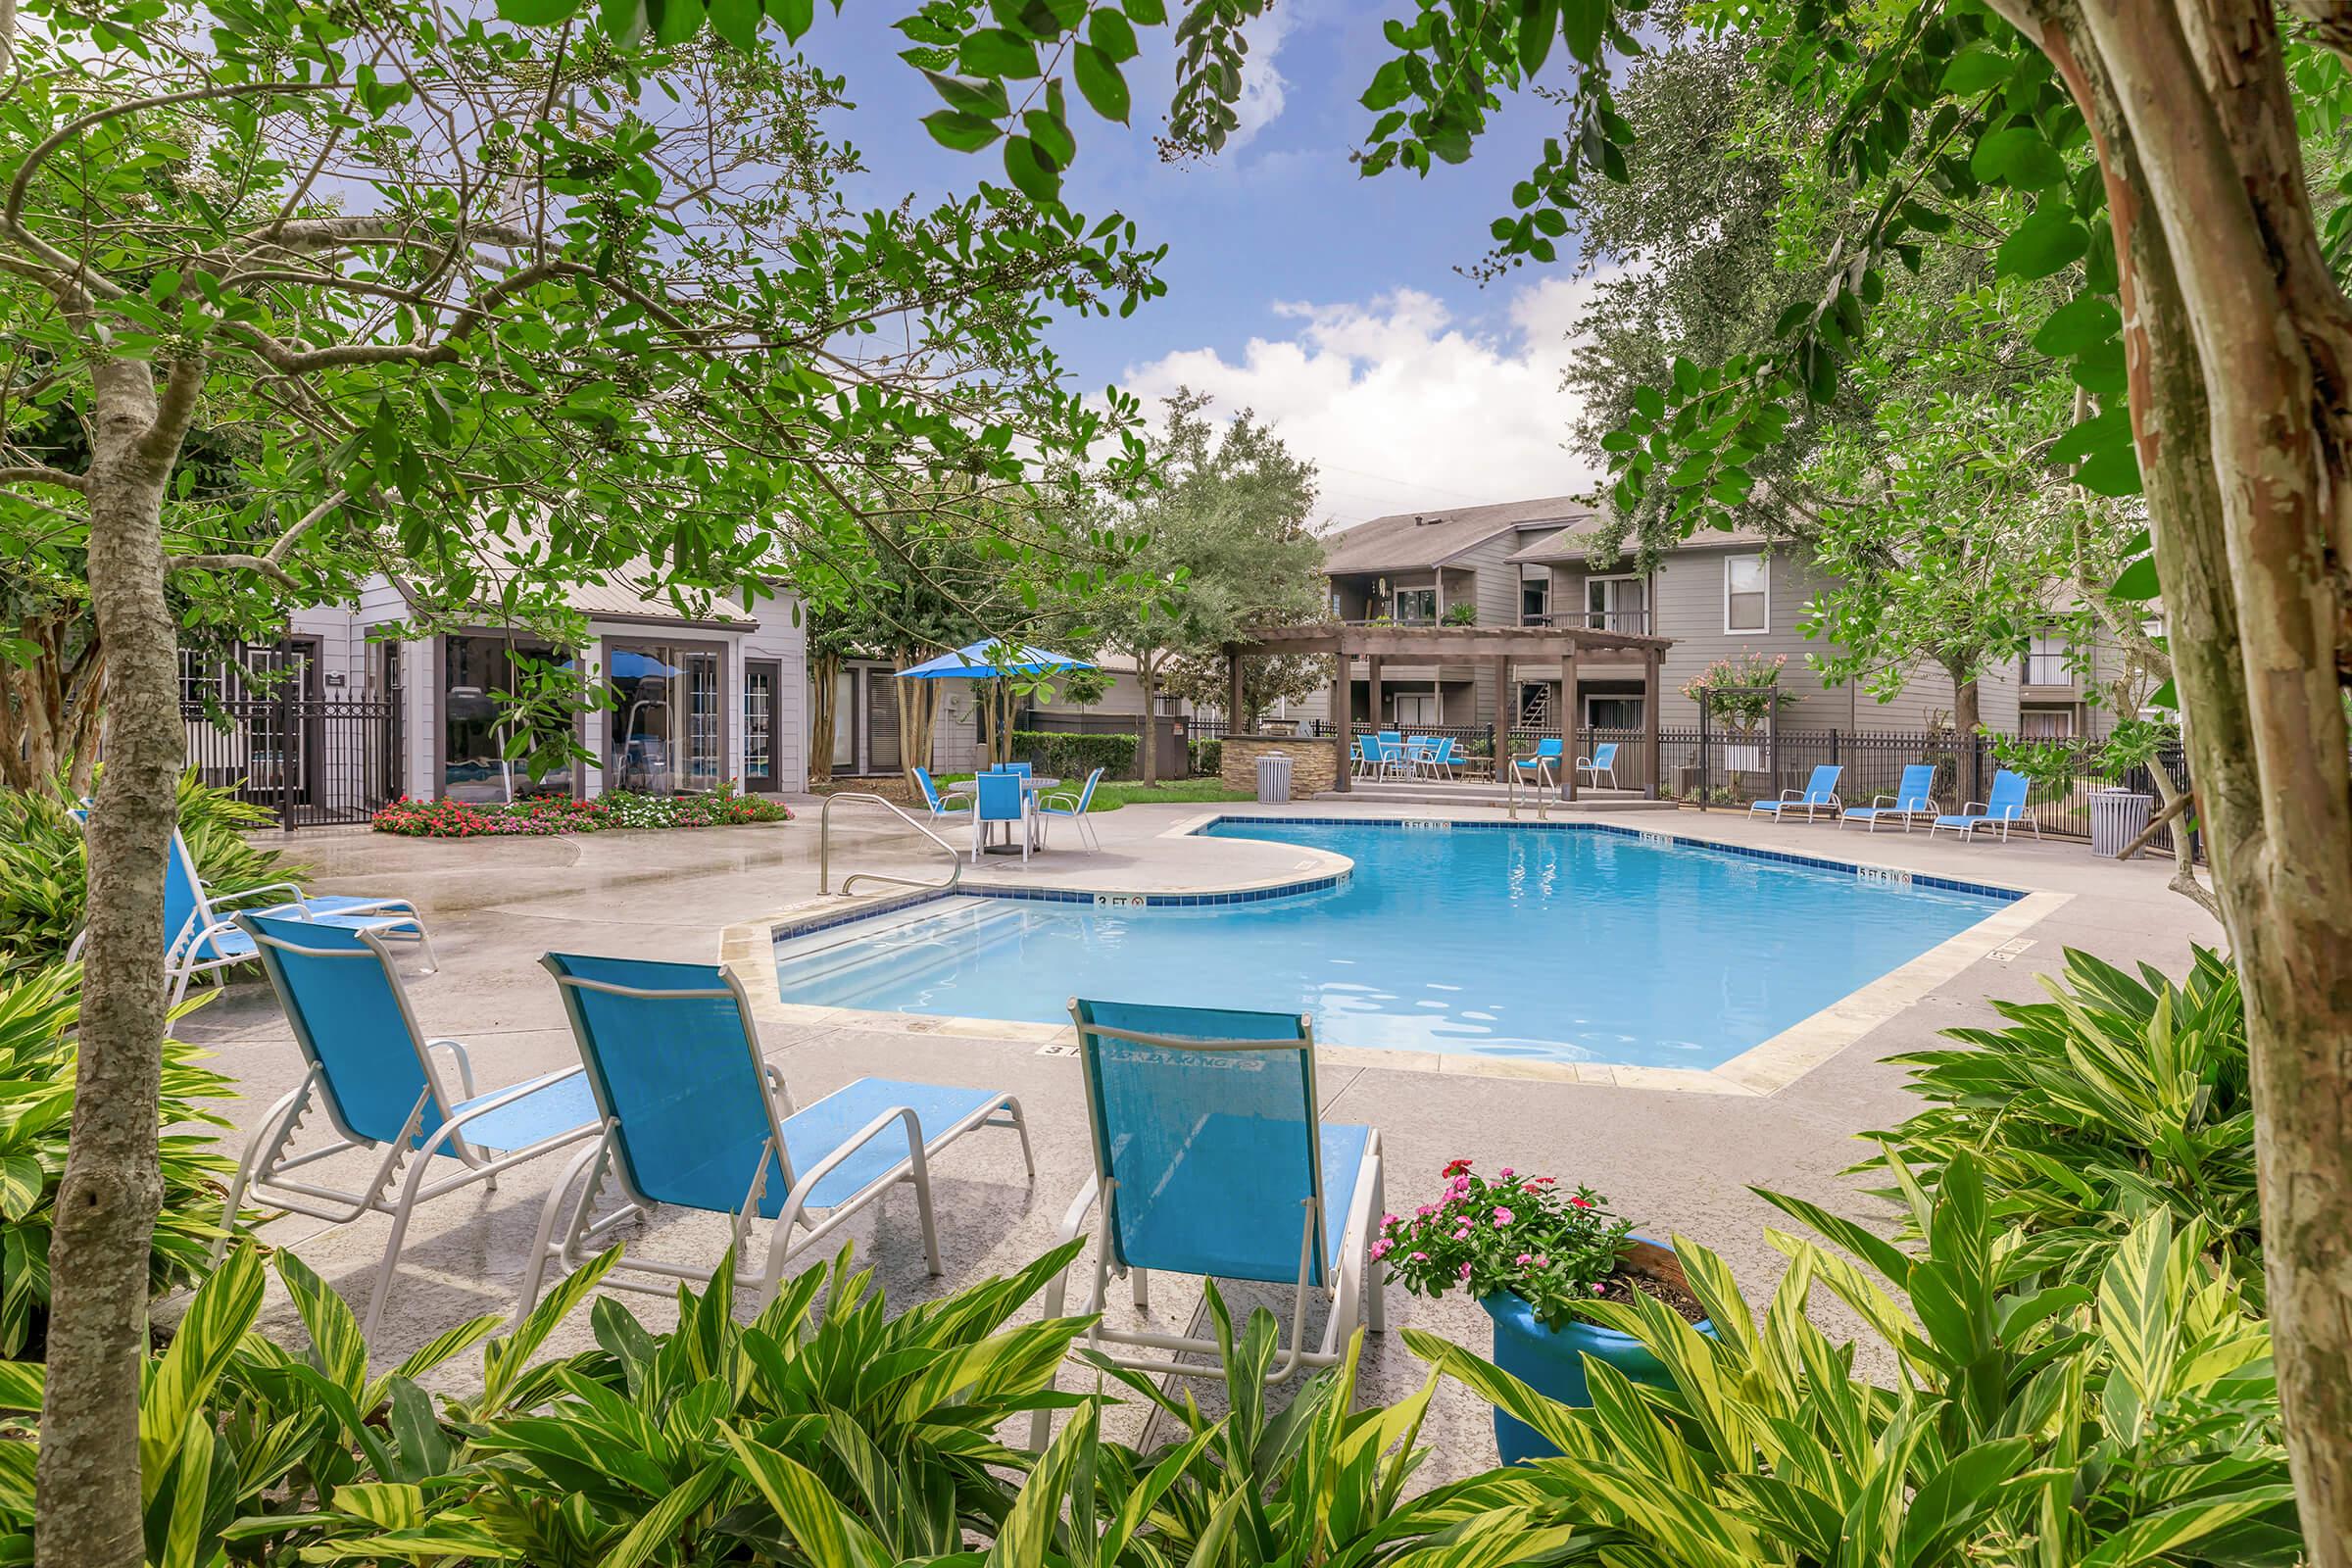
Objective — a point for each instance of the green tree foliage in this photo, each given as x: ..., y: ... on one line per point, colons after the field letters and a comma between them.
x: 1224, y: 548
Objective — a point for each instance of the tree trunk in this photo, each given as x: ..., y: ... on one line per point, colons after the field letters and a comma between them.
x: 1147, y: 735
x: 1968, y: 712
x: 824, y: 702
x: 89, y: 1467
x: 2235, y: 346
x: 919, y: 710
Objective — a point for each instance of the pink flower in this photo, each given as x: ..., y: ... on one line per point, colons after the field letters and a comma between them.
x: 1522, y: 1260
x: 1466, y: 1272
x: 1506, y: 1173
x: 1543, y: 1260
x: 1388, y: 1219
x: 1462, y: 1235
x: 1502, y: 1216
x: 1424, y: 1210
x: 1418, y: 1258
x: 1599, y: 1289
x: 1382, y: 1248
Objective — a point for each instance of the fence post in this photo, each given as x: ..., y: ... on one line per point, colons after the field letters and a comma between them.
x: 1707, y: 748
x: 1835, y: 759
x: 285, y: 735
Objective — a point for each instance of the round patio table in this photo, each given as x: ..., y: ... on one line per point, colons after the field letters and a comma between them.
x: 1032, y: 785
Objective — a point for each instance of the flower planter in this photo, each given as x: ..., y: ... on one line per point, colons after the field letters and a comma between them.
x: 1551, y: 1360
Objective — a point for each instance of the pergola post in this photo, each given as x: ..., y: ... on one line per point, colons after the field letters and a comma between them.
x: 1233, y: 687
x: 1372, y: 691
x: 1568, y: 708
x: 1342, y: 730
x: 1649, y: 725
x: 1505, y: 710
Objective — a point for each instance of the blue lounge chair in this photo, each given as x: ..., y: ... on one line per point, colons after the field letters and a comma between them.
x: 1603, y: 761
x: 1210, y: 1159
x: 1072, y: 805
x: 1540, y: 769
x: 200, y: 939
x: 1912, y: 798
x: 686, y: 1118
x: 1819, y: 794
x: 1001, y: 798
x: 941, y: 801
x: 2006, y: 809
x: 373, y: 1073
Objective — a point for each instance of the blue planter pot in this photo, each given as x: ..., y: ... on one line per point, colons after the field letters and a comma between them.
x: 1551, y: 1360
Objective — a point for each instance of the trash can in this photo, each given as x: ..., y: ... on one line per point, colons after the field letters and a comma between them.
x: 1274, y: 778
x: 2117, y: 818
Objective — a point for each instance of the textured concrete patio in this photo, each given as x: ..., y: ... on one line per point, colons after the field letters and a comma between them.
x: 1675, y: 1162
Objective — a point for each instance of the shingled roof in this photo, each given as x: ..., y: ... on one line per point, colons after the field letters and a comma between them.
x: 1414, y: 541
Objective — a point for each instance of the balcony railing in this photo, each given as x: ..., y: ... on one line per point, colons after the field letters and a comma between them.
x: 2048, y: 670
x: 1630, y: 621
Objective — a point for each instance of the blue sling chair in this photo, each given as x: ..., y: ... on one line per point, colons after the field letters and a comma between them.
x: 374, y: 1075
x: 686, y: 1116
x: 1212, y: 1159
x: 199, y: 939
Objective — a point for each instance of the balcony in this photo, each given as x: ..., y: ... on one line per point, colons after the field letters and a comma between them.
x: 1632, y: 621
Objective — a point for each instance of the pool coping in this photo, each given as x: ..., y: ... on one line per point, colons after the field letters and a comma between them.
x: 748, y: 951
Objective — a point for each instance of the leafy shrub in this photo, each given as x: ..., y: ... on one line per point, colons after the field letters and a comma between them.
x: 1073, y: 756
x: 545, y: 816
x: 2131, y: 1419
x: 2118, y: 1096
x: 1207, y: 759
x: 44, y: 867
x: 37, y: 1010
x: 1743, y: 692
x: 1463, y: 615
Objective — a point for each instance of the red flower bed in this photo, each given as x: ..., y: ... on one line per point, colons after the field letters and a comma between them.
x: 550, y: 815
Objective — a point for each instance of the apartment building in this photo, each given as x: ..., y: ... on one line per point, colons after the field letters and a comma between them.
x: 1717, y: 595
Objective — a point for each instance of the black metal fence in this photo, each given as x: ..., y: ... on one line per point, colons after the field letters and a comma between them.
x: 309, y: 762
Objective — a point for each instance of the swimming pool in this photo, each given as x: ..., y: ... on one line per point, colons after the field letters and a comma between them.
x: 1561, y: 942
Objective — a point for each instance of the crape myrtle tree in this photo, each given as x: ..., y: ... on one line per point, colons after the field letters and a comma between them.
x: 487, y: 310
x: 2158, y: 142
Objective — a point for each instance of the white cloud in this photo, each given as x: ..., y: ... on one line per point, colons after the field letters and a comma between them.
x: 1264, y: 87
x: 1403, y: 409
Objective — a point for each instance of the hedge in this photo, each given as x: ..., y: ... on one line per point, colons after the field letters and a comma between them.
x: 1065, y: 755
x: 1208, y: 758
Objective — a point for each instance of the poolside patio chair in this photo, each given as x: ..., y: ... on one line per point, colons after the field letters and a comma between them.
x: 1443, y: 761
x: 200, y: 939
x: 1911, y: 797
x: 1210, y: 1159
x: 1369, y: 758
x: 1072, y: 805
x: 1420, y: 751
x: 1540, y: 769
x: 1603, y: 761
x: 686, y: 1118
x: 2006, y: 809
x: 1819, y: 794
x: 941, y: 801
x: 375, y: 1074
x: 1001, y: 798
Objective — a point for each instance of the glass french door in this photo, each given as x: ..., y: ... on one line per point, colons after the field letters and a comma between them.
x: 762, y: 682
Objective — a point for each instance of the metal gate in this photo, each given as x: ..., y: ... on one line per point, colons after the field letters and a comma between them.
x: 310, y: 762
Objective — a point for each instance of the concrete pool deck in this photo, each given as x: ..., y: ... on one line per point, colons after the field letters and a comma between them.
x: 1679, y: 1163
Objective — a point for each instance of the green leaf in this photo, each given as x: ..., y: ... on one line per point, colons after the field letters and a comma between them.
x: 538, y: 13
x: 1973, y: 69
x: 737, y: 21
x: 1099, y: 81
x: 1112, y: 34
x: 2021, y: 157
x: 795, y: 17
x: 1144, y: 13
x: 208, y: 1335
x: 960, y: 132
x: 1584, y: 24
x: 2136, y: 581
x: 20, y: 1185
x: 2042, y: 246
x: 1538, y: 23
x: 1026, y: 166
x: 2111, y: 471
x: 996, y: 52
x: 2092, y: 434
x: 2078, y: 324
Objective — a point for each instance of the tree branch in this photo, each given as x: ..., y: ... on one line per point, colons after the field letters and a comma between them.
x: 38, y: 473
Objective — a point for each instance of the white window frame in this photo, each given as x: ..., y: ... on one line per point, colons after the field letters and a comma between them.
x: 1436, y: 604
x: 1437, y: 707
x: 1589, y: 698
x: 1764, y: 563
x: 2044, y: 645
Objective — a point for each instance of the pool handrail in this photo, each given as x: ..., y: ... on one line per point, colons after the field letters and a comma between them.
x: 824, y: 850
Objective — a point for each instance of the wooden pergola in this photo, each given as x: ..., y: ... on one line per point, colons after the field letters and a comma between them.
x: 1500, y: 646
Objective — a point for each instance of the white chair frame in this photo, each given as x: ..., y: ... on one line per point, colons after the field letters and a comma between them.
x: 1592, y: 773
x: 1981, y: 810
x: 1883, y: 806
x: 576, y: 1243
x: 1356, y: 1289
x: 268, y: 1156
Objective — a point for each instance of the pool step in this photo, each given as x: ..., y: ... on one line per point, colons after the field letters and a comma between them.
x: 936, y: 936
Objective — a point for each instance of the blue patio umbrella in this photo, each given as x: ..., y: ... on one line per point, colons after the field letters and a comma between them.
x: 979, y: 661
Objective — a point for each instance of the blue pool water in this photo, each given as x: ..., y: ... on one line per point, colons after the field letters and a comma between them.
x: 1556, y: 945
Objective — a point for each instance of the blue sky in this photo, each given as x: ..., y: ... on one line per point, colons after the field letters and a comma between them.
x: 1329, y: 303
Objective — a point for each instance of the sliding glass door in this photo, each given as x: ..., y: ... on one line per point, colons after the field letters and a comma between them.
x: 667, y: 731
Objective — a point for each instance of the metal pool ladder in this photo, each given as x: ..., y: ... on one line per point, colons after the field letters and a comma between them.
x: 824, y: 850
